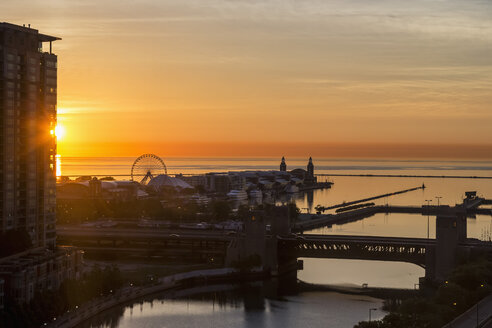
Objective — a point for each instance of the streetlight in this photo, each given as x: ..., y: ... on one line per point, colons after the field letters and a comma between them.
x: 370, y: 310
x: 438, y: 198
x: 428, y: 207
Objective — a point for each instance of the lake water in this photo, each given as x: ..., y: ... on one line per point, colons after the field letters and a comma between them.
x: 320, y: 309
x: 76, y: 166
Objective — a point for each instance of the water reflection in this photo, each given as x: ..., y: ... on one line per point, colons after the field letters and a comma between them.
x: 310, y: 200
x: 271, y: 303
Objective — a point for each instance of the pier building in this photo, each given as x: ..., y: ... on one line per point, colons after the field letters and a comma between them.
x: 283, y: 166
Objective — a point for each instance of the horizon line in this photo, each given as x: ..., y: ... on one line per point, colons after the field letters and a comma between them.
x: 375, y: 150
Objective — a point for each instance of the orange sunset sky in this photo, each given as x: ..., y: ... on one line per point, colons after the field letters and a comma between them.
x: 349, y: 78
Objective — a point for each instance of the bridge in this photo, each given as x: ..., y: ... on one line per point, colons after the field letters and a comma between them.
x: 438, y: 256
x: 411, y: 250
x: 215, y: 243
x: 280, y: 249
x: 183, y: 245
x: 420, y: 251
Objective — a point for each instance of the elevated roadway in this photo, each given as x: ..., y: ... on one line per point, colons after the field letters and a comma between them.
x: 68, y: 232
x: 183, y: 245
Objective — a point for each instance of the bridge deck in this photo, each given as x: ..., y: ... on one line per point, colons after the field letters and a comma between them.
x: 363, y: 239
x: 141, y: 234
x: 411, y: 250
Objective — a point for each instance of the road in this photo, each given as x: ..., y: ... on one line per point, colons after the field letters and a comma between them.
x: 94, y: 232
x: 469, y: 318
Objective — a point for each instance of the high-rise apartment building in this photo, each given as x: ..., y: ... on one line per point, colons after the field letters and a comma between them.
x: 28, y: 82
x: 27, y: 166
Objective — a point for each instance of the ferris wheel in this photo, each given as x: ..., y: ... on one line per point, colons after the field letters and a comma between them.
x: 146, y: 167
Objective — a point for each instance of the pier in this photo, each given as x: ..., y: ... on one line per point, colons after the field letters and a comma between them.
x: 469, y: 208
x: 322, y: 208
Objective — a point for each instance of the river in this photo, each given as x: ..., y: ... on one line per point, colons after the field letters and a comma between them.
x: 258, y: 306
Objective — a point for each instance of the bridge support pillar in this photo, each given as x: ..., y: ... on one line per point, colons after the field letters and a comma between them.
x: 430, y: 265
x: 260, y: 239
x: 450, y: 231
x: 255, y: 243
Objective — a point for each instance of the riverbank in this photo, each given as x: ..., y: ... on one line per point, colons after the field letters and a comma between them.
x: 466, y: 286
x: 84, y: 312
x: 376, y: 292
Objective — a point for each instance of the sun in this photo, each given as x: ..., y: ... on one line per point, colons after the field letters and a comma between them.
x: 59, y: 131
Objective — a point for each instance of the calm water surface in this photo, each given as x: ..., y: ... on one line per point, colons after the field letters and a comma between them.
x: 77, y: 166
x: 246, y: 306
x: 320, y: 309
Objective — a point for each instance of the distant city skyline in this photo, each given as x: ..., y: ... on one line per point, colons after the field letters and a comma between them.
x: 270, y: 78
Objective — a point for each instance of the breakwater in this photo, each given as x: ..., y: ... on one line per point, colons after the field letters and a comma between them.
x: 325, y: 208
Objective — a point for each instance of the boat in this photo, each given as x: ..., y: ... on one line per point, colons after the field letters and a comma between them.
x: 256, y: 195
x: 237, y: 195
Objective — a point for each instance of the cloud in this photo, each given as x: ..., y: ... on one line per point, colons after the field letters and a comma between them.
x: 302, y: 63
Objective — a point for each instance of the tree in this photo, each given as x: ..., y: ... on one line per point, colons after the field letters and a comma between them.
x: 220, y: 210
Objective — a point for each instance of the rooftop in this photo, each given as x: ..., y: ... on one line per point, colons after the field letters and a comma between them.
x: 41, y: 37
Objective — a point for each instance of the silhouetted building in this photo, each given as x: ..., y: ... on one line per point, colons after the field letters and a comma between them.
x: 38, y: 270
x: 309, y: 177
x: 27, y: 165
x: 28, y: 119
x: 218, y: 182
x: 310, y: 167
x: 283, y: 166
x: 199, y: 181
x: 224, y: 182
x: 95, y: 188
x: 118, y: 191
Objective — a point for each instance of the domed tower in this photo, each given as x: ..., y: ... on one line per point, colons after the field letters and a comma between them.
x: 283, y: 166
x: 310, y: 168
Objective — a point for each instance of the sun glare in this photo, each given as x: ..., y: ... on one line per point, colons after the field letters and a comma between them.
x: 59, y: 131
x: 58, y: 165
